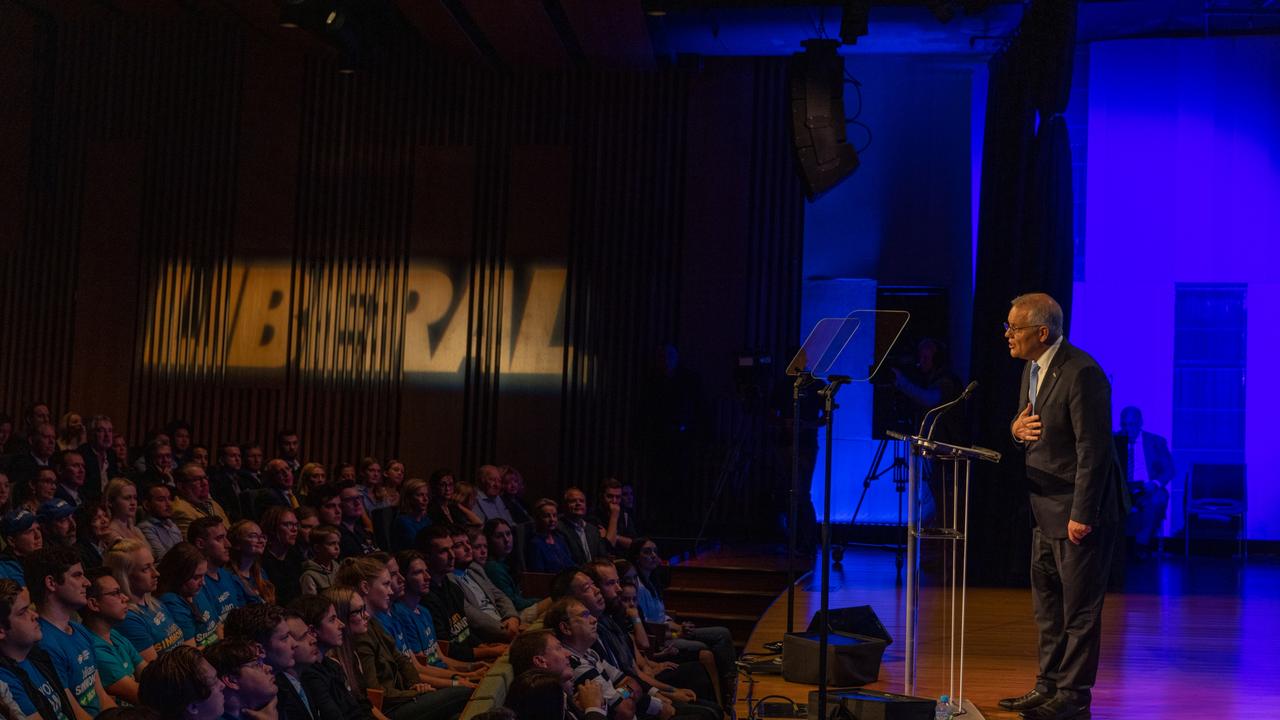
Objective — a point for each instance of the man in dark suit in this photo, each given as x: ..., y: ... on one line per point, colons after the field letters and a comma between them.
x: 1064, y: 427
x: 1148, y: 468
x: 100, y: 464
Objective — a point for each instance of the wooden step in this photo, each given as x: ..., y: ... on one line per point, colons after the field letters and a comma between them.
x: 680, y: 599
x: 729, y: 578
x: 740, y: 626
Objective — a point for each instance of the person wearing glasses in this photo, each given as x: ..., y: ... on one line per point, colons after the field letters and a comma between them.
x: 248, y: 687
x: 355, y: 539
x: 118, y: 660
x: 1064, y: 428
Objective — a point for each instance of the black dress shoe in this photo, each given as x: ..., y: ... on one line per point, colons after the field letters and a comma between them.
x: 1059, y: 708
x: 1033, y: 699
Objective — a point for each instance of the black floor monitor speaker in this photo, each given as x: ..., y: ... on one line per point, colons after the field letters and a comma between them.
x: 851, y: 659
x: 856, y: 620
x: 872, y: 705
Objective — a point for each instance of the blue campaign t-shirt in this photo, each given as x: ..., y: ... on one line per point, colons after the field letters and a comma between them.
x: 393, y: 629
x: 72, y: 655
x: 12, y: 570
x: 117, y: 659
x: 202, y: 627
x: 23, y: 700
x: 224, y: 593
x: 147, y: 627
x: 419, y: 632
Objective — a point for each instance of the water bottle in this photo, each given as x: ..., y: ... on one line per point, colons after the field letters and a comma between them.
x: 944, y: 709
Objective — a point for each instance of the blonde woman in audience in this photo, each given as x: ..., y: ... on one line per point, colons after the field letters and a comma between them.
x: 71, y: 431
x: 122, y: 503
x: 146, y: 624
x: 248, y: 543
x: 464, y: 494
x: 310, y: 477
x: 373, y: 488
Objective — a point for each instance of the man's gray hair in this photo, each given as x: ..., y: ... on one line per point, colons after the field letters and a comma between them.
x: 98, y: 420
x: 1042, y: 310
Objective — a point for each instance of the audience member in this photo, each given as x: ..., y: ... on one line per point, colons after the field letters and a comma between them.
x: 319, y: 571
x: 464, y: 494
x: 268, y: 627
x: 618, y: 523
x: 490, y: 503
x: 542, y: 651
x: 22, y: 536
x: 157, y: 463
x: 57, y: 522
x: 180, y: 588
x: 41, y: 488
x: 393, y: 477
x: 412, y: 517
x: 222, y: 587
x: 575, y: 627
x: 70, y: 468
x: 38, y: 451
x: 586, y: 538
x: 308, y: 520
x: 179, y: 432
x: 500, y: 543
x: 181, y: 685
x: 490, y: 613
x: 513, y: 495
x: 446, y: 601
x: 6, y: 493
x: 248, y: 545
x: 200, y: 456
x: 93, y: 533
x: 344, y: 472
x: 227, y: 484
x: 310, y: 477
x: 415, y: 621
x: 355, y: 537
x: 194, y: 501
x: 146, y: 624
x: 282, y: 559
x: 548, y: 549
x: 373, y: 490
x: 252, y: 457
x: 159, y: 528
x: 59, y: 589
x: 443, y: 510
x: 337, y: 696
x: 106, y: 606
x: 248, y: 687
x: 71, y: 431
x: 26, y: 669
x: 100, y: 460
x: 277, y: 489
x: 289, y: 449
x: 122, y: 503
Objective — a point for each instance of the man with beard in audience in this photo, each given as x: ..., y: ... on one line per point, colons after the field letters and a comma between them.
x: 57, y: 522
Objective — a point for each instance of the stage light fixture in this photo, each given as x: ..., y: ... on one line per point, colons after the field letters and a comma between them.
x: 854, y: 18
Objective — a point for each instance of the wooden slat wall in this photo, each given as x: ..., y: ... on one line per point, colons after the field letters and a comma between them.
x: 231, y: 169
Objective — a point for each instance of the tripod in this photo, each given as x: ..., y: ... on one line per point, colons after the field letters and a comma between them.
x: 900, y: 477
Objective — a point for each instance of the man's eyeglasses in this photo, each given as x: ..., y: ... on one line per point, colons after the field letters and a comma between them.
x: 1015, y: 328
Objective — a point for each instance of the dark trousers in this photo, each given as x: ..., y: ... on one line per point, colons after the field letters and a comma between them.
x: 1068, y: 583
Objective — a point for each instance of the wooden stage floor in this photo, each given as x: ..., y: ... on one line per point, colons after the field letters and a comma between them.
x: 1185, y: 639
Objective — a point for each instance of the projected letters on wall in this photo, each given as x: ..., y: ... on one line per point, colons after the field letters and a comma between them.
x: 355, y: 320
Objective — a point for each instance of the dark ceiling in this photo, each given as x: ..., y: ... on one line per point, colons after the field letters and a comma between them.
x: 556, y: 34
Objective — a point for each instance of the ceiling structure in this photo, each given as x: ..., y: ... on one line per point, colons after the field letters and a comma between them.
x: 639, y: 34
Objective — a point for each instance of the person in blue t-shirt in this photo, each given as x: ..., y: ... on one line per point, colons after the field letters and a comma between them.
x: 146, y: 624
x: 22, y: 537
x: 26, y: 669
x: 118, y: 660
x: 414, y: 621
x: 181, y: 590
x: 223, y: 590
x: 59, y: 589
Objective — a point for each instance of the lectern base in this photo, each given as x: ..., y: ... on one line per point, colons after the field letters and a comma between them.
x: 969, y: 711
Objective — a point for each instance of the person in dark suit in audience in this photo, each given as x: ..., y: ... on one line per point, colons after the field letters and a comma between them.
x: 586, y: 539
x: 100, y: 464
x: 1148, y: 468
x: 1077, y: 499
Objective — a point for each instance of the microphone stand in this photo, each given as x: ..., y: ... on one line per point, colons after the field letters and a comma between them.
x: 834, y: 383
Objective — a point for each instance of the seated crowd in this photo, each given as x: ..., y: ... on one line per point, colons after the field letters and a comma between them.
x: 172, y: 582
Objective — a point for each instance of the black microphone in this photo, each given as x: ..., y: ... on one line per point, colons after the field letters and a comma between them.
x: 942, y: 409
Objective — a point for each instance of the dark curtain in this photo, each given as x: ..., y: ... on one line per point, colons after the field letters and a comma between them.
x: 1024, y: 245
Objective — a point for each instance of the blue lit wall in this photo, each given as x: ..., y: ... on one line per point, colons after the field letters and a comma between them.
x: 905, y: 217
x: 1184, y: 187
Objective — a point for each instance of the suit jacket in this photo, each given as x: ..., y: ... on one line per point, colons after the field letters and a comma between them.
x: 1072, y: 468
x: 597, y: 545
x: 185, y: 513
x: 94, y: 482
x: 485, y: 626
x: 1155, y: 450
x: 262, y: 499
x: 289, y: 705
